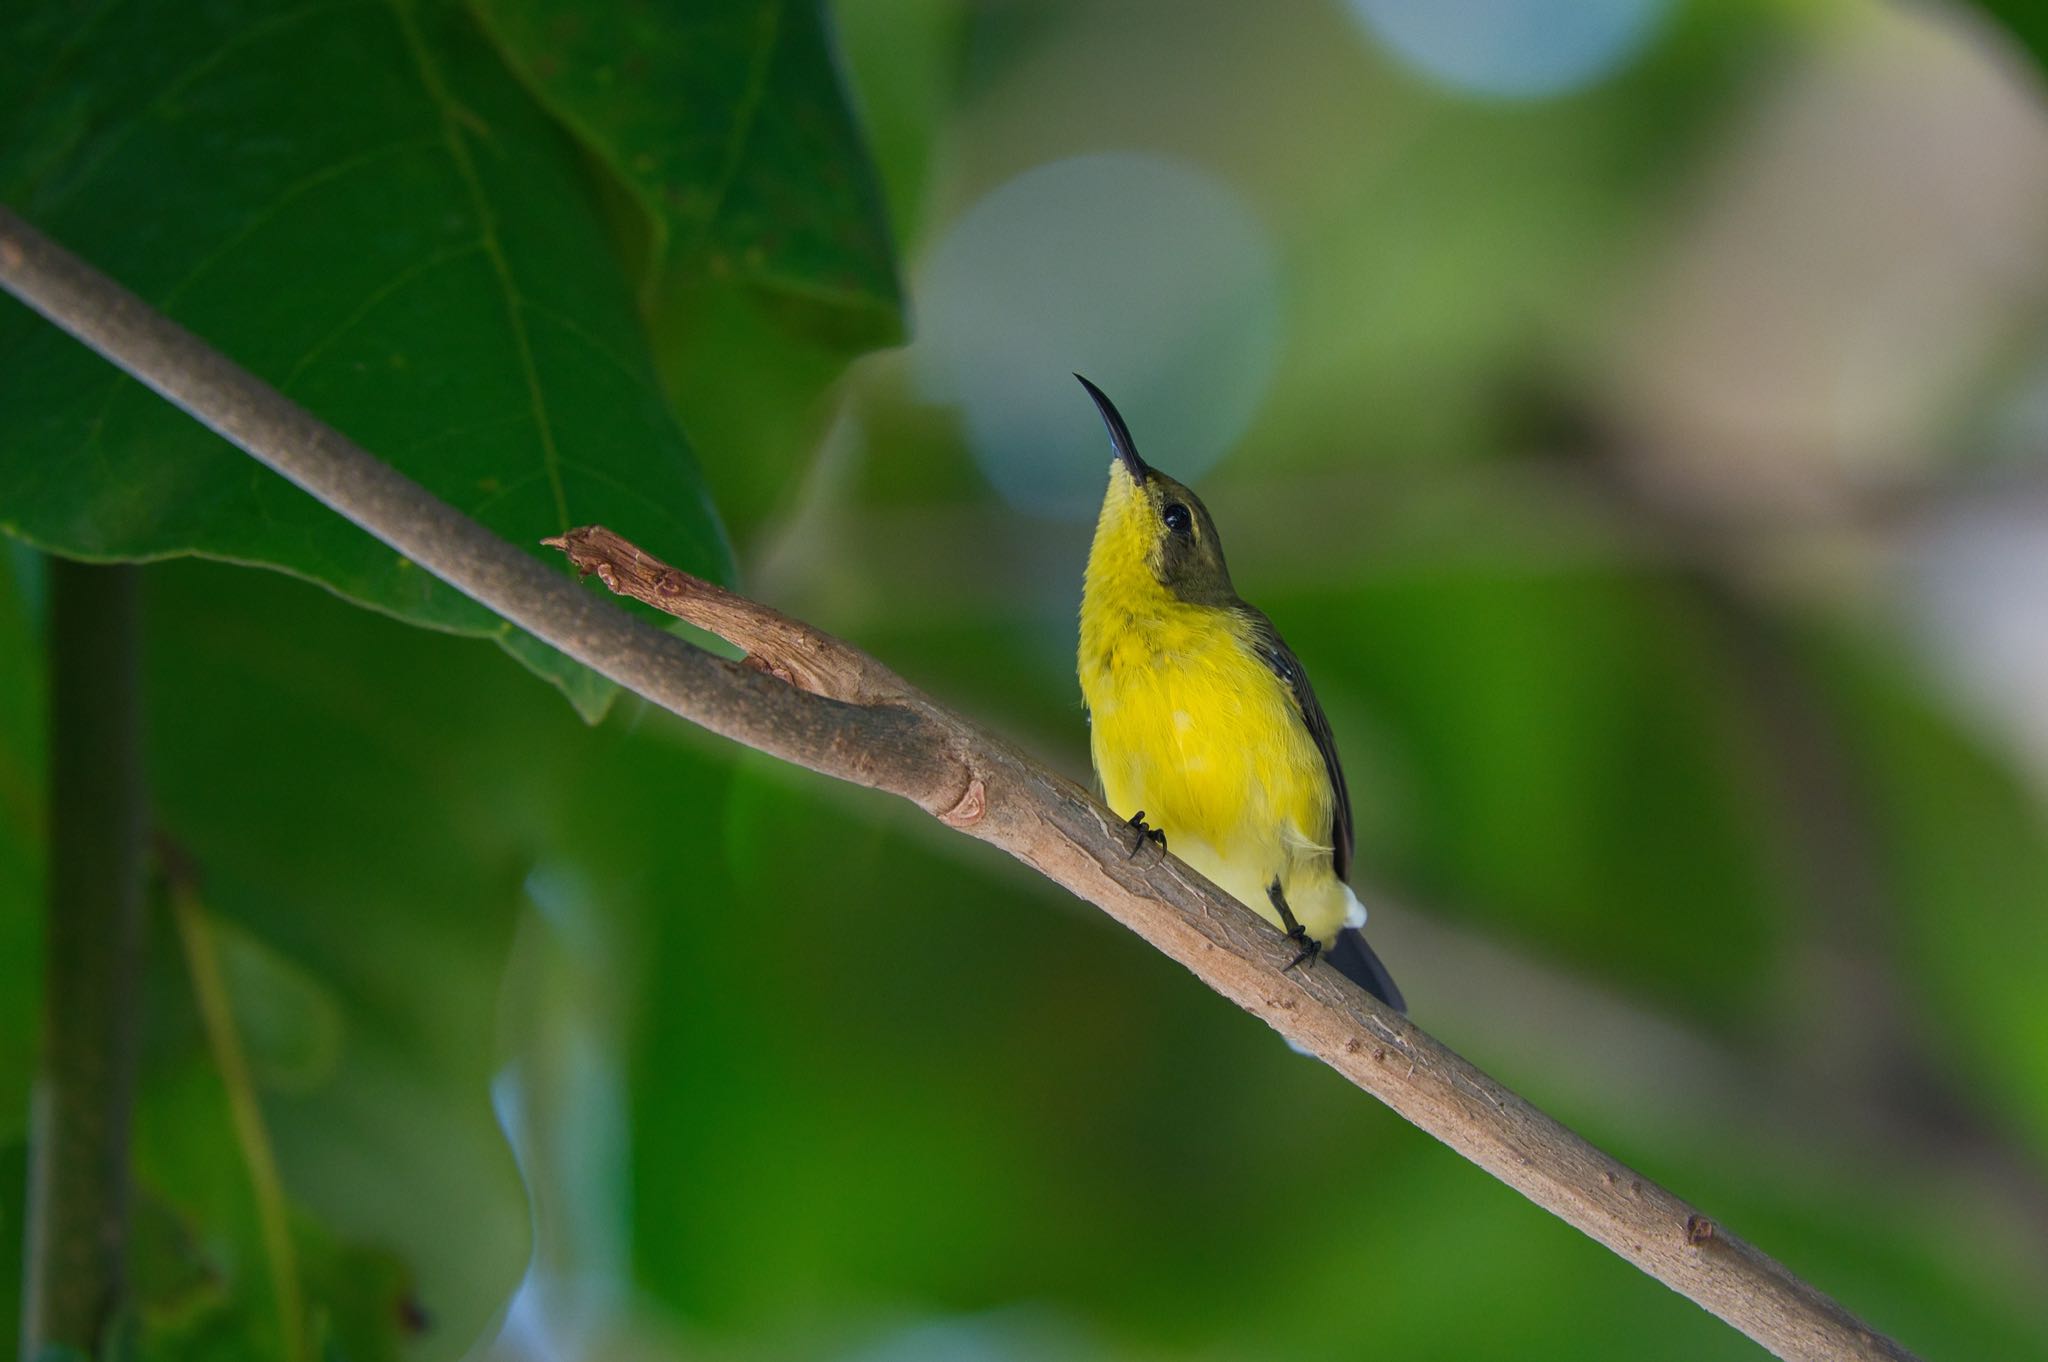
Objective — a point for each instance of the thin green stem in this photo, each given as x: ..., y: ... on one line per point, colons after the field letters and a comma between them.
x: 209, y: 991
x: 85, y: 1077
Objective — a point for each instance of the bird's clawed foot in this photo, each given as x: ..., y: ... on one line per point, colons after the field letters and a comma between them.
x: 1146, y: 833
x: 1310, y: 947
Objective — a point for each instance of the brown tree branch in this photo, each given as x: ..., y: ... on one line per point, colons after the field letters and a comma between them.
x: 845, y: 716
x: 787, y: 649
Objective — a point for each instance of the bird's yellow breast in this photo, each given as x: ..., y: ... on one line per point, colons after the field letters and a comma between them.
x: 1190, y: 725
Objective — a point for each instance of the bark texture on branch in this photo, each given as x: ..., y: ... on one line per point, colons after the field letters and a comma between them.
x: 820, y: 703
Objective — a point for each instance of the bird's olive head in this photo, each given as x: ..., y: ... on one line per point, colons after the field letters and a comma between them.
x: 1148, y: 517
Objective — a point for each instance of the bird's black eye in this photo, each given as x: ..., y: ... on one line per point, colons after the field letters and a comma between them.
x: 1177, y: 518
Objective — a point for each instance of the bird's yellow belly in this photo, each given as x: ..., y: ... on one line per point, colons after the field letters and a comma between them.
x: 1193, y: 729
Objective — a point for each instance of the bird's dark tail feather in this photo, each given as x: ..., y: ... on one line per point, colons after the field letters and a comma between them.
x: 1356, y: 962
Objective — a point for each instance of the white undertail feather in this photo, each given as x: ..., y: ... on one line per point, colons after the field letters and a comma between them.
x: 1354, y: 916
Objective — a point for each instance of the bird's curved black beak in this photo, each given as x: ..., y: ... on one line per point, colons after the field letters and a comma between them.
x: 1119, y: 433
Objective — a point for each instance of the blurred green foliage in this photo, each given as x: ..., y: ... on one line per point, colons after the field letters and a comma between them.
x: 703, y: 1057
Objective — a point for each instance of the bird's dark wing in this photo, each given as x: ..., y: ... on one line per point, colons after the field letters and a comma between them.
x: 1275, y: 653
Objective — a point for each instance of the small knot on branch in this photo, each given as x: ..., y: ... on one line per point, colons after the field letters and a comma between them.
x: 1699, y: 1230
x: 973, y: 804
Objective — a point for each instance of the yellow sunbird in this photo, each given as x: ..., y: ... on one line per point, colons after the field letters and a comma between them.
x: 1203, y: 722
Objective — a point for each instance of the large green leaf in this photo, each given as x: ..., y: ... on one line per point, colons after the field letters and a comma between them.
x: 728, y: 125
x: 358, y: 201
x: 769, y: 257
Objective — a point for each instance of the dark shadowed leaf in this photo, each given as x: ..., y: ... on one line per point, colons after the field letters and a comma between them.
x: 359, y: 202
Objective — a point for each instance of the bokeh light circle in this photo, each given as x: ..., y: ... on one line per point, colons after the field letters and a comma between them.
x: 1513, y: 49
x: 1149, y: 276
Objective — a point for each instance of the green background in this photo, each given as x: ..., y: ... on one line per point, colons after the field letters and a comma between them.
x: 1673, y: 813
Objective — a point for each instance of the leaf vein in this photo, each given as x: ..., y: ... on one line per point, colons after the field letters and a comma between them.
x: 452, y: 116
x: 263, y: 216
x: 638, y: 375
x: 746, y: 118
x: 184, y: 80
x: 372, y: 300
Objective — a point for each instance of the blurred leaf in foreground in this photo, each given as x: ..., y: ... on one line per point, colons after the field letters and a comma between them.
x: 365, y: 919
x: 2026, y: 20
